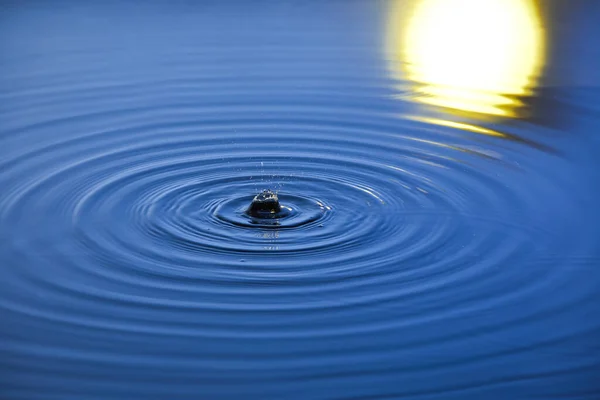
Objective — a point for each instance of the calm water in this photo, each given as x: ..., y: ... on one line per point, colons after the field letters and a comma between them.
x: 439, y: 160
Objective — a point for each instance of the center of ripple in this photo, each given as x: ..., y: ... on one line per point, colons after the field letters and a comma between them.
x: 270, y: 210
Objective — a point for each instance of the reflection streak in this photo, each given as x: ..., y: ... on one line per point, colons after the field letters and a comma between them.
x: 474, y: 56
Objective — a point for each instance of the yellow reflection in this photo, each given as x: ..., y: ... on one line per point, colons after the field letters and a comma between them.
x: 469, y: 55
x: 459, y: 125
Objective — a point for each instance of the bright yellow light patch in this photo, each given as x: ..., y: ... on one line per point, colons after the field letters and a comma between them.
x: 470, y: 55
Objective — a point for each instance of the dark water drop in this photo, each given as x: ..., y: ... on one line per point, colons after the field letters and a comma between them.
x: 265, y: 205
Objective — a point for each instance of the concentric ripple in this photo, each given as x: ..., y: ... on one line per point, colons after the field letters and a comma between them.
x: 410, y: 259
x: 148, y: 230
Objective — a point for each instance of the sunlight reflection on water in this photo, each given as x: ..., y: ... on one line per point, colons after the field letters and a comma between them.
x: 469, y: 56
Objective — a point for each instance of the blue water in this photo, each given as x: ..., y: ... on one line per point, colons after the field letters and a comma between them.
x: 430, y: 252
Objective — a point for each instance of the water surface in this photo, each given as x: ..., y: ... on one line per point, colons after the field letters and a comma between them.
x: 439, y: 168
